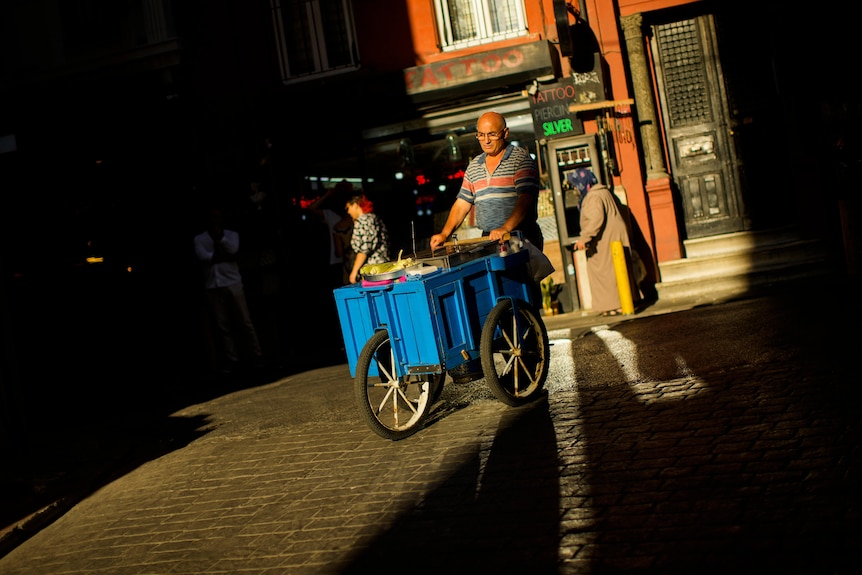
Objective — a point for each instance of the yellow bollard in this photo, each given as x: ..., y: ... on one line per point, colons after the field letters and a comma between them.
x: 622, y: 272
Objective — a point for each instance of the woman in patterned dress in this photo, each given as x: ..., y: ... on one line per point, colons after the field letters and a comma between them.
x: 370, y: 240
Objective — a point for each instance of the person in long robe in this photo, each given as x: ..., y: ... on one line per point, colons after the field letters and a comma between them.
x: 602, y: 222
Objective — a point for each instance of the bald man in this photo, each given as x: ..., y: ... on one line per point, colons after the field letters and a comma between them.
x: 502, y: 183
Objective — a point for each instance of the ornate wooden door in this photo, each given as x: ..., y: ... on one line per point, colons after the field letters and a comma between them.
x: 697, y: 126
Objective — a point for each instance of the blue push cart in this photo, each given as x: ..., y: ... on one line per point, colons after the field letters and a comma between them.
x: 470, y: 313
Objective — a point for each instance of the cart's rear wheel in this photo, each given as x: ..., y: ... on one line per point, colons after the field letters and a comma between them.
x: 515, y: 352
x: 393, y: 407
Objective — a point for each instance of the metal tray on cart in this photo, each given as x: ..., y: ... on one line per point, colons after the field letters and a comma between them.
x: 452, y: 255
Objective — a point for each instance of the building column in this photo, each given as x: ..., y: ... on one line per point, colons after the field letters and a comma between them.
x: 668, y: 245
x: 644, y: 101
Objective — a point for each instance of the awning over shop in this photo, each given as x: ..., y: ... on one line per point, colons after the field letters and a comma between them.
x: 458, y: 119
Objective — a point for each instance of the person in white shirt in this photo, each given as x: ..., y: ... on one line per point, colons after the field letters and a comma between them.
x: 216, y: 249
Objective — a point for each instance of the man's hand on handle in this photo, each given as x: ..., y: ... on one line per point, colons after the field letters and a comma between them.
x: 437, y: 240
x: 499, y: 235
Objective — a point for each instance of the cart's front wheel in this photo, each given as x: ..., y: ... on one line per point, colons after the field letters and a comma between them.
x: 393, y: 407
x: 515, y: 352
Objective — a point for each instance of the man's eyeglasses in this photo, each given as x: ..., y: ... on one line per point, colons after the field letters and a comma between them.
x: 489, y: 135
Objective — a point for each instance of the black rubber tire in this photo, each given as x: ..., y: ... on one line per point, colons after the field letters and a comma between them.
x: 437, y: 382
x: 515, y: 352
x: 393, y: 407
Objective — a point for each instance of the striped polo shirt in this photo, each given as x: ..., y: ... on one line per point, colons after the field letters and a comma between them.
x: 495, y: 195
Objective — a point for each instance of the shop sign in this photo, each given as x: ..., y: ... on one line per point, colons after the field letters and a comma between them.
x: 476, y: 72
x: 589, y: 84
x: 549, y: 106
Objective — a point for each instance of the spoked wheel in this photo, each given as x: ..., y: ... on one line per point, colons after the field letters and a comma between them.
x: 393, y: 407
x: 515, y: 352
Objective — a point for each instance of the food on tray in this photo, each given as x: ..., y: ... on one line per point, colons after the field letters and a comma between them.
x: 386, y: 267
